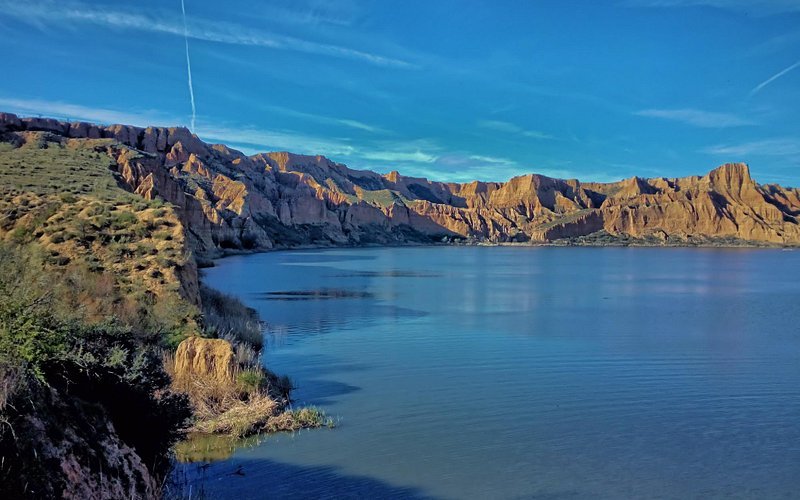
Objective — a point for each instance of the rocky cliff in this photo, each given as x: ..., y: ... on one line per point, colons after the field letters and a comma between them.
x: 228, y: 200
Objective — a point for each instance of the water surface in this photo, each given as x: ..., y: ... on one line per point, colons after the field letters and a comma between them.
x: 471, y: 372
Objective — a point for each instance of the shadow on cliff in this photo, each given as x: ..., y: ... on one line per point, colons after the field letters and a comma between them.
x: 264, y: 478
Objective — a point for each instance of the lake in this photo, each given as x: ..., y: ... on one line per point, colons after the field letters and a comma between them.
x: 525, y: 372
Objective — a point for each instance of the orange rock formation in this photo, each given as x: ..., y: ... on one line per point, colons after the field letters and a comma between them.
x: 230, y: 200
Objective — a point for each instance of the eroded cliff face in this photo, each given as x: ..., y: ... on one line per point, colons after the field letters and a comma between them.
x: 79, y: 454
x: 230, y: 200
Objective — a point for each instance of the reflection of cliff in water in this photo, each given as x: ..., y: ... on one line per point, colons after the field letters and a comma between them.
x: 199, y: 447
x: 320, y: 313
x: 319, y: 294
x: 394, y: 273
x: 306, y: 297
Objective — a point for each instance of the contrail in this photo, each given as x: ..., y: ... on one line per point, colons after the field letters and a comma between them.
x: 188, y: 63
x: 773, y: 78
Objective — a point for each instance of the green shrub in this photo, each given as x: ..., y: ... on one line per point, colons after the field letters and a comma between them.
x: 123, y: 220
x: 67, y: 372
x: 251, y: 380
x: 21, y: 235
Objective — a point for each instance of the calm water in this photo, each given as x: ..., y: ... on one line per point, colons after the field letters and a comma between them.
x: 527, y: 372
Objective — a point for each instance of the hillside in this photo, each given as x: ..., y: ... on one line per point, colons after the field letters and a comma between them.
x: 228, y: 200
x: 110, y: 350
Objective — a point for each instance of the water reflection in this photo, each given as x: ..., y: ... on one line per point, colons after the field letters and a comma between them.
x: 529, y: 372
x: 290, y: 481
x: 318, y: 294
x: 393, y: 273
x: 205, y: 448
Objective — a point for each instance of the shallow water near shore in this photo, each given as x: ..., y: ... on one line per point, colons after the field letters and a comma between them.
x: 475, y: 372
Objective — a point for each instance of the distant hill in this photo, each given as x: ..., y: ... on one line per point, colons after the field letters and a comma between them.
x: 228, y: 200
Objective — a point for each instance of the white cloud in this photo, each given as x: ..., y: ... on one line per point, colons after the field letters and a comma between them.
x: 782, y: 146
x: 47, y: 11
x: 419, y: 157
x: 696, y: 117
x: 492, y: 160
x: 261, y: 140
x: 535, y: 134
x: 500, y: 126
x: 67, y: 111
x: 511, y: 128
x: 750, y: 7
x: 359, y: 125
x: 399, y: 156
x: 310, y: 12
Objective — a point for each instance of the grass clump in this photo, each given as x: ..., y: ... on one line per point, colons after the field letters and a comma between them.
x: 251, y: 380
x: 262, y: 414
x: 233, y: 393
x: 225, y: 316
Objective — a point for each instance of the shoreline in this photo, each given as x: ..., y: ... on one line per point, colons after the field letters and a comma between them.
x: 704, y: 245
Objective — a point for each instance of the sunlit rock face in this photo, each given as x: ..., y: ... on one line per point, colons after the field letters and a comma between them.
x: 229, y: 200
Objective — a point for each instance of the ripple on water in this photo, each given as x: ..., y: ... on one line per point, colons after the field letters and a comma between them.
x: 514, y: 373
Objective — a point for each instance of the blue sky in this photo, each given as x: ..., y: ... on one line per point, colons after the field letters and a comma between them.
x: 450, y: 90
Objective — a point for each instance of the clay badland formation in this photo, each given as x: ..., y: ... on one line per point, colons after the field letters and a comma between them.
x: 228, y: 200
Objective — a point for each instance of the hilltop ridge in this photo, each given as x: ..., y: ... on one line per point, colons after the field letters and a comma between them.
x: 229, y: 200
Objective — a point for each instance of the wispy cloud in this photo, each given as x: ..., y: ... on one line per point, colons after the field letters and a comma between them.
x: 63, y: 110
x: 774, y: 77
x: 419, y: 157
x: 253, y: 140
x: 466, y: 168
x: 272, y: 109
x: 248, y: 138
x: 491, y: 160
x: 781, y: 146
x: 774, y: 44
x: 50, y: 12
x: 511, y: 128
x: 399, y: 156
x: 359, y: 125
x: 750, y: 7
x: 310, y: 12
x: 697, y: 118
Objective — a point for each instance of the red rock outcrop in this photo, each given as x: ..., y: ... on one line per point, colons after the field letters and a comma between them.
x: 230, y: 200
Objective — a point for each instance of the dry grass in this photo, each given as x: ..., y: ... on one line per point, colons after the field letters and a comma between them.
x: 234, y: 394
x: 259, y: 414
x: 207, y: 358
x: 225, y: 316
x: 241, y: 418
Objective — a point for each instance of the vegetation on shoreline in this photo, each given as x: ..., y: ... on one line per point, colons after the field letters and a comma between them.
x: 233, y: 393
x: 98, y: 288
x: 76, y: 396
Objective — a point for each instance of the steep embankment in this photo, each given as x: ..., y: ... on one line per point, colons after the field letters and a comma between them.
x: 229, y: 200
x: 97, y: 288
